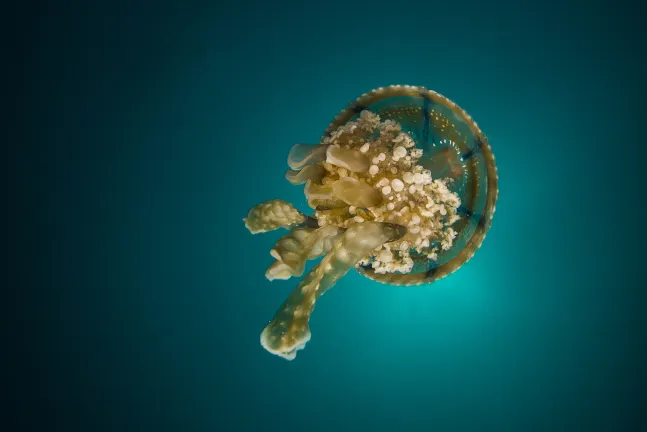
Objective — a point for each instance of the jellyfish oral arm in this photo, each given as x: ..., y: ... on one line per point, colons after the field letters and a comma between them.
x: 288, y: 331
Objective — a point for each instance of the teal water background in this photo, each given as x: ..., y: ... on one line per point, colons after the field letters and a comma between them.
x: 153, y: 127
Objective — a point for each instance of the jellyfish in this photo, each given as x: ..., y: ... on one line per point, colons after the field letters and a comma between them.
x: 403, y: 186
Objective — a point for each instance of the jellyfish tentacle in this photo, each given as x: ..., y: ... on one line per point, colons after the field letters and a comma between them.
x: 349, y: 159
x: 305, y: 154
x: 288, y: 331
x: 310, y: 172
x: 356, y: 193
x: 275, y: 214
x: 322, y: 194
x: 298, y: 246
x: 314, y: 191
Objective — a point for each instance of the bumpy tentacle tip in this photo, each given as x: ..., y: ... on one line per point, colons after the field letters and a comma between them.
x: 250, y: 227
x: 278, y: 270
x: 272, y: 215
x: 276, y: 341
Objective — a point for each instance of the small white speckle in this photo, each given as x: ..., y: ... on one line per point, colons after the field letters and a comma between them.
x: 399, y: 152
x: 386, y: 190
x: 407, y: 177
x: 373, y: 170
x: 382, y: 182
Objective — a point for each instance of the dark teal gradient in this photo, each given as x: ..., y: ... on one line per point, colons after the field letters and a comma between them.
x: 153, y: 127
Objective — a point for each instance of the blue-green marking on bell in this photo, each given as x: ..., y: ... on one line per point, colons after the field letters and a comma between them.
x: 468, y: 154
x: 426, y: 117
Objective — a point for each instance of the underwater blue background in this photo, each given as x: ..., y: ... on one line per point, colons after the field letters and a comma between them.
x: 151, y: 129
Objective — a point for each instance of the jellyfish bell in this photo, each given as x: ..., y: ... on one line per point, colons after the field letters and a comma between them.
x: 403, y: 187
x: 453, y: 149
